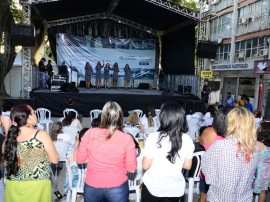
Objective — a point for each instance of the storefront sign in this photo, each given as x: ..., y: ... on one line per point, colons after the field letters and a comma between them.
x: 262, y: 66
x: 233, y: 66
x: 206, y: 74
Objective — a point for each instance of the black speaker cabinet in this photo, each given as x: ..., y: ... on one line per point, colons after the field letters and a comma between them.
x: 82, y: 84
x: 23, y: 35
x: 143, y: 86
x: 180, y: 89
x: 187, y: 90
x: 206, y: 49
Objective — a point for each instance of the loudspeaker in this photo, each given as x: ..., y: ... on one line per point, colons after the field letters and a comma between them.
x: 23, y: 35
x: 82, y: 84
x: 180, y: 89
x: 167, y: 92
x: 69, y: 87
x: 187, y: 90
x: 143, y: 86
x: 64, y: 87
x: 207, y: 50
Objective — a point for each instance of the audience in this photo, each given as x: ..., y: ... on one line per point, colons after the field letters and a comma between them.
x: 5, y: 119
x: 70, y: 120
x: 229, y: 165
x: 166, y: 152
x: 58, y: 135
x: 149, y: 119
x: 247, y: 104
x: 110, y: 154
x: 262, y: 177
x: 28, y: 153
x: 133, y: 120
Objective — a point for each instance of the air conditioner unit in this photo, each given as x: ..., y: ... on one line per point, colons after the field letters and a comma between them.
x: 241, y: 55
x: 213, y: 2
x: 263, y: 52
x: 244, y: 21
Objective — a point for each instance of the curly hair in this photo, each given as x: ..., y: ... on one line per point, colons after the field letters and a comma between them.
x: 173, y: 124
x: 18, y: 116
x: 263, y: 134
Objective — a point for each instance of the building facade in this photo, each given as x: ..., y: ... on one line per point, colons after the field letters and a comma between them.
x: 242, y: 31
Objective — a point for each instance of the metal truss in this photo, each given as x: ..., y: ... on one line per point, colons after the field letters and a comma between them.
x: 26, y: 85
x: 178, y: 27
x: 176, y: 8
x: 112, y: 7
x: 76, y: 19
x: 41, y: 1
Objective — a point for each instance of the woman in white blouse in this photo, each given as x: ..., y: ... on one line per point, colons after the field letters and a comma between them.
x: 166, y: 152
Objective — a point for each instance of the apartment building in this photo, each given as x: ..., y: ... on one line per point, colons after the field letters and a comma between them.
x: 242, y: 30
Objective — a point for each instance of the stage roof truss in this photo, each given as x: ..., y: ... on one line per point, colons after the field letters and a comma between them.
x: 111, y: 7
x: 41, y: 1
x: 176, y: 8
x: 178, y: 27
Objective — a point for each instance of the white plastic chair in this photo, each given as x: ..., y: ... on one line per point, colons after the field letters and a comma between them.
x: 72, y: 131
x: 44, y: 117
x: 67, y: 110
x: 62, y: 149
x: 196, y: 178
x: 157, y: 111
x: 94, y: 114
x: 138, y: 111
x: 132, y: 130
x: 149, y: 130
x: 78, y: 188
x: 134, y: 183
x: 193, y: 127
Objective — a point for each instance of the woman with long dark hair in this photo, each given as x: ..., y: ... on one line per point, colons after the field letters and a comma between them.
x: 166, y: 152
x: 110, y: 154
x: 27, y: 155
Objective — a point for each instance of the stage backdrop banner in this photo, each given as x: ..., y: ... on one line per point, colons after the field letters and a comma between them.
x: 140, y: 54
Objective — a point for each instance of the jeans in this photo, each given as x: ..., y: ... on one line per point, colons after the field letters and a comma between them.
x: 43, y: 78
x: 115, y: 194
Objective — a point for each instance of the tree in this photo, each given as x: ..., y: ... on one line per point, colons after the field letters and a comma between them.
x: 7, y: 50
x: 191, y: 4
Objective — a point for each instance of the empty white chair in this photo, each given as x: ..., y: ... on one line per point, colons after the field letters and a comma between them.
x: 134, y: 131
x: 94, y: 114
x: 44, y: 117
x: 195, y: 178
x: 72, y: 170
x: 67, y: 110
x: 138, y: 111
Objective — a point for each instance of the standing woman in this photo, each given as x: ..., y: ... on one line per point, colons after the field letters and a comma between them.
x: 127, y: 76
x: 166, y: 152
x: 27, y: 155
x: 98, y: 74
x: 110, y: 154
x: 229, y: 165
x: 88, y: 74
x: 115, y: 74
x: 106, y: 75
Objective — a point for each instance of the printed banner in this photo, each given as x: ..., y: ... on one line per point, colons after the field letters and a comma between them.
x: 262, y: 66
x: 77, y: 50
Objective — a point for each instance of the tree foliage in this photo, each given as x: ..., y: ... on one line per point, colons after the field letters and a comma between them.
x: 191, y: 4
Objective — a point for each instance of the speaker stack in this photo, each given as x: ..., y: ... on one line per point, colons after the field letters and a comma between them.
x: 23, y: 35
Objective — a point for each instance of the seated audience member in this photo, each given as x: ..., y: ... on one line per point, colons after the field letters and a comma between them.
x: 149, y: 119
x: 165, y: 153
x: 72, y: 105
x: 70, y: 120
x: 133, y: 120
x: 248, y: 105
x: 229, y: 101
x: 209, y: 116
x: 58, y: 135
x: 240, y: 102
x: 5, y: 118
x: 262, y: 178
x: 258, y: 118
x: 229, y: 165
x: 96, y: 122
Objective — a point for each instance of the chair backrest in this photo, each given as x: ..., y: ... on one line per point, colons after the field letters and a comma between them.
x: 67, y: 110
x: 139, y: 112
x: 94, y: 114
x: 76, y: 171
x: 134, y: 180
x: 72, y: 131
x: 149, y: 130
x: 157, y: 111
x: 134, y: 131
x: 62, y: 149
x: 43, y: 115
x: 198, y: 156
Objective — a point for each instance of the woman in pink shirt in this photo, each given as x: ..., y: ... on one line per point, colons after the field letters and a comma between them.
x: 110, y: 154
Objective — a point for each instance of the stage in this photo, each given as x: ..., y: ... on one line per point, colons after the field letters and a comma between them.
x: 88, y: 99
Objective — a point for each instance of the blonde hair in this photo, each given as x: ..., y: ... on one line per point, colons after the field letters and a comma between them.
x: 133, y: 117
x: 112, y: 117
x: 241, y: 123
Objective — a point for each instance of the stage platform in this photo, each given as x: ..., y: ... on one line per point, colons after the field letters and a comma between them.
x: 88, y: 99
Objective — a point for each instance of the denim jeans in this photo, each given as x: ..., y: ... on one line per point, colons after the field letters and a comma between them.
x: 115, y: 194
x: 43, y: 78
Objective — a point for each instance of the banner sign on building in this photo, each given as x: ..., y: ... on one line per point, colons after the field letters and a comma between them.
x: 206, y: 74
x: 262, y: 66
x: 233, y: 66
x: 140, y: 54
